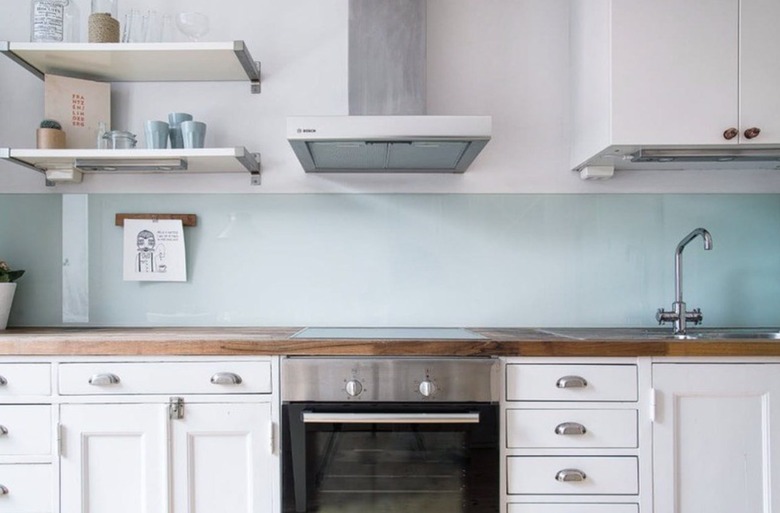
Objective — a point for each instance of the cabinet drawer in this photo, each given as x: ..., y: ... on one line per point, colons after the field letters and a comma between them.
x: 534, y: 382
x: 29, y: 488
x: 25, y: 379
x: 573, y: 508
x: 26, y: 430
x: 538, y: 475
x: 217, y: 377
x: 571, y: 428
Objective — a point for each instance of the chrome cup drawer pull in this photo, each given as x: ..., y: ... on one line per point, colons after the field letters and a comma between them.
x: 3, y: 490
x: 226, y: 378
x: 3, y: 381
x: 571, y: 382
x: 568, y: 475
x: 570, y: 428
x: 3, y: 431
x: 101, y: 380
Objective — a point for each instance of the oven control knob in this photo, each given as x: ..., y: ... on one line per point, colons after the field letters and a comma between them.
x: 427, y: 388
x: 353, y: 387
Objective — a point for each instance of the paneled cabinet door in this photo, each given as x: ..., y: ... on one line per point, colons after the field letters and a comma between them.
x: 714, y: 448
x: 223, y: 459
x: 759, y: 78
x: 114, y: 458
x: 674, y: 70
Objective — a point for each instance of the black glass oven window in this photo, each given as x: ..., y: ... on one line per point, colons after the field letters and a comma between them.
x: 398, y: 468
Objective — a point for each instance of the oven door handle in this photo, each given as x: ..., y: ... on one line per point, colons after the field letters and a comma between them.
x: 310, y: 417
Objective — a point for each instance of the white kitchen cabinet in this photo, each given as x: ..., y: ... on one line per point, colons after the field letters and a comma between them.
x: 223, y: 458
x: 672, y: 73
x: 27, y: 478
x: 114, y: 458
x: 129, y: 445
x: 570, y: 436
x: 716, y: 446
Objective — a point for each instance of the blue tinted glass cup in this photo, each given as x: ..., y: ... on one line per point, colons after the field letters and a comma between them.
x: 174, y: 120
x: 193, y: 134
x: 157, y: 133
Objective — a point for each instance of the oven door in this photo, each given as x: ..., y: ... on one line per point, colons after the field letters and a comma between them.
x: 390, y: 457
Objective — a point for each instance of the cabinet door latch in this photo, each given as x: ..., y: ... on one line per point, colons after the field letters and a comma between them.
x: 176, y: 408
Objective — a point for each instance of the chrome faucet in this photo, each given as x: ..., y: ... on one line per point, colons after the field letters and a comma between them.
x: 679, y: 315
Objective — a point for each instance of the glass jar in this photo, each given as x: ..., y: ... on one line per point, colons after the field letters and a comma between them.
x: 47, y: 20
x: 120, y: 140
x: 105, y: 6
x: 103, y: 22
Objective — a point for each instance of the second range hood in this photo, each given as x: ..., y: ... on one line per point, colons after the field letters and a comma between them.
x: 404, y: 144
x: 387, y: 129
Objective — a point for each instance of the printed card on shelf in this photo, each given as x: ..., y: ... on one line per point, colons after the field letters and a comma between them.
x: 78, y: 105
x: 154, y: 250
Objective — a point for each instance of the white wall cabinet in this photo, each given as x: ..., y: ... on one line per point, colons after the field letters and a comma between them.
x: 716, y: 447
x: 672, y: 72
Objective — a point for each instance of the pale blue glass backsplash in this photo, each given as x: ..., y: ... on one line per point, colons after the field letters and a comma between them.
x: 412, y: 260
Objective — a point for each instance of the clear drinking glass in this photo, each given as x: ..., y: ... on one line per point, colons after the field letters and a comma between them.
x: 194, y: 25
x: 135, y: 27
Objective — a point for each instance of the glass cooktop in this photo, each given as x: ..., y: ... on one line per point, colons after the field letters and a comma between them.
x: 390, y: 333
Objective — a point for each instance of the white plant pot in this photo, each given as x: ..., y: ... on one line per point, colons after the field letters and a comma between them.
x: 6, y: 299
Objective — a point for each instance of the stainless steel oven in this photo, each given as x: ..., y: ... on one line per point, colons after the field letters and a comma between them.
x: 390, y: 435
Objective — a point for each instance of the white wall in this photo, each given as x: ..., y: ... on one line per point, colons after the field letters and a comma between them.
x: 504, y: 58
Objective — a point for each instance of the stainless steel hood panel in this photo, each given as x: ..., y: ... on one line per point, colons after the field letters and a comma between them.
x: 404, y: 144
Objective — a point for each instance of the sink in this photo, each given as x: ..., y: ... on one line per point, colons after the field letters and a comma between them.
x: 640, y: 334
x: 736, y: 333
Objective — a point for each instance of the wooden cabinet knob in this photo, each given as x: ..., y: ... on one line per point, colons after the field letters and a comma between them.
x: 730, y: 133
x: 752, y: 132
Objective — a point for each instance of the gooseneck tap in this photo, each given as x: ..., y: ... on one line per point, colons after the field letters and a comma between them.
x: 679, y: 315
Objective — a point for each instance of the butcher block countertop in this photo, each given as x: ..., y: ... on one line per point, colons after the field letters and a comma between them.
x: 213, y: 341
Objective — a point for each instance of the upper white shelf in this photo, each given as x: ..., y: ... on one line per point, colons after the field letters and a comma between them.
x: 139, y: 62
x: 69, y: 164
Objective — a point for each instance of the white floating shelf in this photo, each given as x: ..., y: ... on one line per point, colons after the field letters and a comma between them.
x: 139, y: 62
x: 201, y: 160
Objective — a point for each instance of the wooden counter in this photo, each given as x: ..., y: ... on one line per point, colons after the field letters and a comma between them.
x: 276, y: 341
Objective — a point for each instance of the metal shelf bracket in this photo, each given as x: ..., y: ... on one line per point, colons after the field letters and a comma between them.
x: 255, y: 170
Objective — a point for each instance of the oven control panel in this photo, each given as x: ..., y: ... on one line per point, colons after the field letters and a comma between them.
x: 389, y: 379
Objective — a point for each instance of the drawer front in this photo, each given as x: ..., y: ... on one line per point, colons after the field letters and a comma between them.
x: 25, y: 430
x: 25, y: 379
x: 117, y: 378
x: 573, y: 508
x: 29, y: 489
x: 534, y: 382
x: 539, y: 475
x: 571, y: 428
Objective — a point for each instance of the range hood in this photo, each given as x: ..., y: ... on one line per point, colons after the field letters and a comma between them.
x: 404, y: 144
x: 387, y: 129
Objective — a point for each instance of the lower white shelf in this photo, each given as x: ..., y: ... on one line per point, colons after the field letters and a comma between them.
x: 69, y: 165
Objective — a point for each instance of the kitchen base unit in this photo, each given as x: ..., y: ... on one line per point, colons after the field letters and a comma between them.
x: 716, y: 445
x: 572, y: 437
x: 139, y: 434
